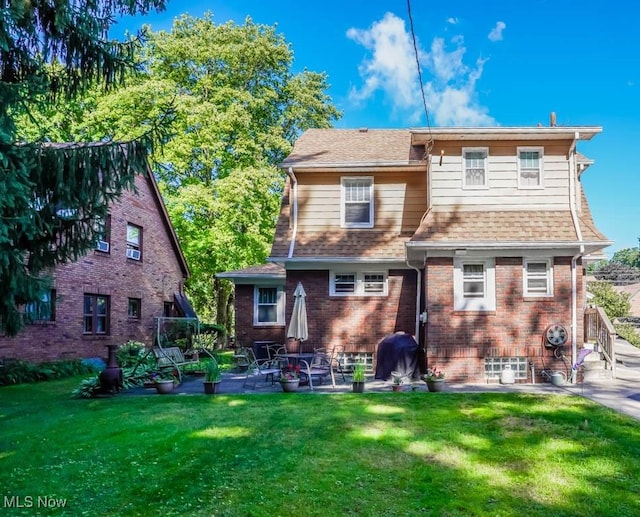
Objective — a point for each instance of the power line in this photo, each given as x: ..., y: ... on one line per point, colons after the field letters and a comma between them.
x: 424, y: 100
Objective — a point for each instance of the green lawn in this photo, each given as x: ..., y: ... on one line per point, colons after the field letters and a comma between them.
x: 372, y: 454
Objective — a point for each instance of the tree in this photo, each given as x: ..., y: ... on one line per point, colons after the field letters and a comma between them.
x: 628, y: 256
x: 52, y: 197
x: 614, y: 304
x: 238, y: 109
x: 618, y: 273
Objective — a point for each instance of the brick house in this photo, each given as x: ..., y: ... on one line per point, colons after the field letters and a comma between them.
x: 113, y: 294
x: 472, y: 239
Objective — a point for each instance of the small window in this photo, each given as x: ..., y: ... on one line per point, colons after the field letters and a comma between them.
x: 357, y: 202
x: 345, y: 283
x: 168, y: 310
x: 374, y: 283
x: 538, y: 278
x: 104, y: 235
x: 43, y: 310
x: 474, y: 284
x: 268, y: 305
x: 134, y: 242
x: 530, y: 167
x: 475, y: 168
x: 134, y: 308
x: 473, y: 281
x: 357, y: 283
x: 96, y: 314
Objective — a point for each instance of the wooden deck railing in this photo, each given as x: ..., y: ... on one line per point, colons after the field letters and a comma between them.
x: 599, y: 329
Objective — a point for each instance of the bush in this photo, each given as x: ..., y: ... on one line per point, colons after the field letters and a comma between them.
x: 19, y: 372
x: 614, y: 304
x: 628, y: 332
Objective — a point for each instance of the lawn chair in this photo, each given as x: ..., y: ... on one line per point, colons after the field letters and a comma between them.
x: 321, y: 365
x: 259, y: 367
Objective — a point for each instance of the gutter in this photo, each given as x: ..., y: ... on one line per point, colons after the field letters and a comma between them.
x: 574, y: 259
x: 294, y: 194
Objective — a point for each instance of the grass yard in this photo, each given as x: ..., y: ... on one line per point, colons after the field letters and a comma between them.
x: 375, y: 454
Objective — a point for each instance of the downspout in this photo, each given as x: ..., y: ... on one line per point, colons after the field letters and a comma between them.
x: 574, y: 259
x: 294, y: 194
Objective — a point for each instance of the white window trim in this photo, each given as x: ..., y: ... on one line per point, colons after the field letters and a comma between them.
x: 484, y: 150
x: 485, y: 303
x: 343, y: 223
x: 549, y: 274
x: 540, y: 185
x: 359, y: 286
x: 280, y: 307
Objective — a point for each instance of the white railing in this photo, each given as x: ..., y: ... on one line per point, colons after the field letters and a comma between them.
x: 598, y: 328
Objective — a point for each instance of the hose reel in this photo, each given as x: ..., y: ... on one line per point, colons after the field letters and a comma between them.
x: 555, y: 335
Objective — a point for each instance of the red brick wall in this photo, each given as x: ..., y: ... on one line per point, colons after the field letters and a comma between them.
x: 356, y: 322
x: 154, y: 280
x: 458, y: 341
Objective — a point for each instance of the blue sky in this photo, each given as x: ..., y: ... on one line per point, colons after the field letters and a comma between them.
x: 500, y: 63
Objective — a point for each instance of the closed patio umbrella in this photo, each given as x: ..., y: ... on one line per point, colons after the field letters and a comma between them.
x: 298, y: 328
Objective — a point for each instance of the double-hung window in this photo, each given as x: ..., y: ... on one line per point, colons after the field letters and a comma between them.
x: 474, y: 167
x: 357, y: 283
x: 134, y: 308
x: 268, y: 307
x: 42, y: 310
x: 103, y: 227
x: 356, y: 208
x: 96, y: 314
x: 134, y: 242
x: 474, y: 285
x: 538, y: 277
x: 530, y: 167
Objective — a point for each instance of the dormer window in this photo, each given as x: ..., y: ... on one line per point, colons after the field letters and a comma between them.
x: 356, y: 209
x: 474, y: 168
x: 530, y: 167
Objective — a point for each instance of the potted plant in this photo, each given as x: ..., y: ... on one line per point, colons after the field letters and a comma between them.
x: 397, y: 380
x: 212, y: 377
x: 434, y: 379
x: 164, y: 383
x: 358, y: 377
x: 290, y: 378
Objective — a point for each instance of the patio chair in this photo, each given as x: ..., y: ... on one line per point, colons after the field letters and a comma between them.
x: 321, y: 365
x: 259, y: 367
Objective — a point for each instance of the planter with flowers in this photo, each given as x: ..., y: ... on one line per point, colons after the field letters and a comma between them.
x: 434, y: 379
x: 290, y: 378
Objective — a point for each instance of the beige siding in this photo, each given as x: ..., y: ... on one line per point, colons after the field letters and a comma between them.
x: 399, y: 200
x: 502, y: 172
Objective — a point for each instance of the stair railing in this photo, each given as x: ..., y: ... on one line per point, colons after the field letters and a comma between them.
x: 598, y: 328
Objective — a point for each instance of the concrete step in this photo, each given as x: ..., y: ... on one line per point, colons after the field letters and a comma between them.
x: 595, y: 369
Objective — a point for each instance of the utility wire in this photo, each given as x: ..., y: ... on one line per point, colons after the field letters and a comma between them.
x: 424, y: 100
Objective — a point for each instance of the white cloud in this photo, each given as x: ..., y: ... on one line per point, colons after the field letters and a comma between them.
x: 390, y: 70
x: 452, y: 21
x: 496, y: 32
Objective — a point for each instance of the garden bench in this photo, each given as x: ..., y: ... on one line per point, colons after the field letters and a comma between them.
x: 172, y: 357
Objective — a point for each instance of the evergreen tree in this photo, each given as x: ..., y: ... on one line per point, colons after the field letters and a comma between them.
x: 53, y: 196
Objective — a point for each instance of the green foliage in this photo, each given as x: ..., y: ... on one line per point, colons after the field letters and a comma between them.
x: 628, y: 256
x: 18, y: 372
x: 212, y: 371
x: 614, y: 304
x: 629, y: 333
x: 53, y: 197
x: 358, y: 372
x: 237, y: 109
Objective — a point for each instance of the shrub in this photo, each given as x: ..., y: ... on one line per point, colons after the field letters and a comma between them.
x: 19, y: 372
x: 614, y: 304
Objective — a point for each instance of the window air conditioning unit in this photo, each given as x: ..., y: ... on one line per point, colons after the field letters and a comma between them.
x: 133, y: 254
x: 102, y: 246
